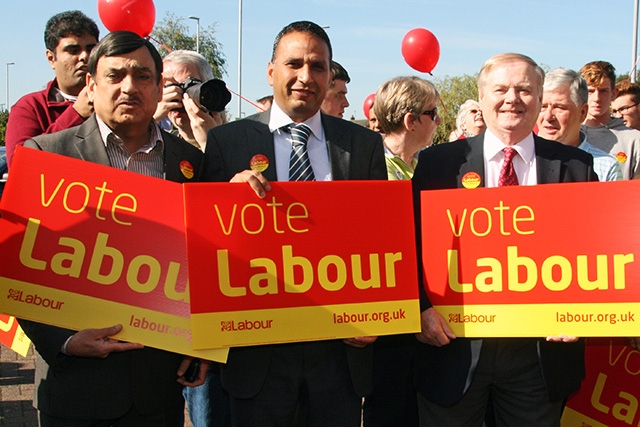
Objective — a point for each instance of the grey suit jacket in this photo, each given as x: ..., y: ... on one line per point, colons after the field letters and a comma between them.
x: 87, y: 388
x: 443, y: 374
x: 355, y: 153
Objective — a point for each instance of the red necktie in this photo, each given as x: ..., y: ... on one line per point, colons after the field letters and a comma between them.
x: 507, y: 172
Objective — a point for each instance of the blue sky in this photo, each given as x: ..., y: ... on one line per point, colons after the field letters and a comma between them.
x: 366, y: 36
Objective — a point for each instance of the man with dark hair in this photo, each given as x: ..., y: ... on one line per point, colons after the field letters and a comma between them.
x: 264, y: 103
x: 69, y: 38
x: 626, y: 105
x: 88, y: 378
x: 335, y: 101
x: 323, y: 381
x: 607, y: 133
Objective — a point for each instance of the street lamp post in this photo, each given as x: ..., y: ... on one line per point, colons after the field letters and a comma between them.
x: 197, y: 32
x: 634, y: 48
x: 240, y: 58
x: 8, y: 63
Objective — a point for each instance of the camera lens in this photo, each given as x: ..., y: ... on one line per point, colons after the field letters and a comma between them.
x: 212, y: 95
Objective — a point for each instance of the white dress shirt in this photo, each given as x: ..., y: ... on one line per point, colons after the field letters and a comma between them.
x: 524, y: 162
x: 316, y: 146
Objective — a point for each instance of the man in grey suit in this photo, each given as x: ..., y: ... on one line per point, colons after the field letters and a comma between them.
x: 527, y: 379
x: 87, y: 378
x: 325, y: 380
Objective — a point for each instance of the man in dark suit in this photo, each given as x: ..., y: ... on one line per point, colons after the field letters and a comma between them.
x: 323, y: 380
x: 87, y: 378
x: 527, y: 380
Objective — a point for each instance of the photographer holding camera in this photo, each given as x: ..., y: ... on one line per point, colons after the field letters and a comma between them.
x: 193, y: 107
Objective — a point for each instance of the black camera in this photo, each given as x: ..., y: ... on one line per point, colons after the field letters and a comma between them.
x: 211, y: 95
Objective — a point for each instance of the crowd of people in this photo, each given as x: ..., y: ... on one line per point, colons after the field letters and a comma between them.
x: 117, y: 102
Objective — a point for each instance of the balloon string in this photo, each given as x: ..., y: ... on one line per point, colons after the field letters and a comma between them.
x: 633, y: 68
x: 245, y: 99
x: 168, y: 49
x: 444, y: 107
x: 164, y: 46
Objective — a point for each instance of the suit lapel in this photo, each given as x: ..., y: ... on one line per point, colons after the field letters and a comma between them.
x: 548, y: 167
x: 89, y: 143
x: 261, y: 142
x: 339, y: 146
x: 172, y: 158
x: 474, y: 160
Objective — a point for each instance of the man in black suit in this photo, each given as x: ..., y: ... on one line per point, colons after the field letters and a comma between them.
x: 526, y: 379
x: 87, y: 378
x: 323, y: 380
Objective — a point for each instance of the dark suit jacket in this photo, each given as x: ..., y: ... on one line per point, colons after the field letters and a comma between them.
x: 443, y: 374
x: 355, y: 153
x: 88, y: 388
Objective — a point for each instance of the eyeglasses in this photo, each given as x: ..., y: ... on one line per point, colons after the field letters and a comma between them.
x: 433, y: 113
x: 622, y: 110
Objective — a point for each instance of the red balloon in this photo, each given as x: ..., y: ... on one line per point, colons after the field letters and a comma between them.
x: 421, y: 50
x: 137, y: 16
x: 368, y: 102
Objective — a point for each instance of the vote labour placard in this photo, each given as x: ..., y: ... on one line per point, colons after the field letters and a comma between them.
x: 534, y: 260
x: 12, y: 335
x: 88, y: 246
x: 609, y: 394
x: 310, y: 261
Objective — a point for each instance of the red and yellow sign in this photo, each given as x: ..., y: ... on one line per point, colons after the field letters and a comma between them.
x: 534, y: 261
x: 311, y: 261
x: 12, y: 335
x: 609, y: 394
x: 88, y: 246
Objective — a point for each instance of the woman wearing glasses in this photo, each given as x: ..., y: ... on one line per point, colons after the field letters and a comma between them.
x: 406, y: 108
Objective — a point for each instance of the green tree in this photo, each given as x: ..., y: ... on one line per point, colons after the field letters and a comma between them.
x: 4, y: 116
x: 173, y: 34
x: 454, y: 91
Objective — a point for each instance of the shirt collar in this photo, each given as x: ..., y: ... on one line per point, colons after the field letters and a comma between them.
x: 279, y: 119
x: 155, y: 137
x: 493, y: 146
x: 389, y: 154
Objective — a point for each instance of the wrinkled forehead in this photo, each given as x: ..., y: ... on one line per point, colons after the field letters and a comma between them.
x: 510, y: 71
x: 179, y: 72
x: 298, y: 44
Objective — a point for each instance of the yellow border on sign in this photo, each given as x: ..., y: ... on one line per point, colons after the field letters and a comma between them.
x: 21, y: 342
x: 81, y: 312
x: 256, y: 327
x: 573, y: 418
x: 541, y: 320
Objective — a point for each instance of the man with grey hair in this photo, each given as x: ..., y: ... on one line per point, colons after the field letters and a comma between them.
x: 188, y: 121
x: 564, y: 108
x: 527, y: 379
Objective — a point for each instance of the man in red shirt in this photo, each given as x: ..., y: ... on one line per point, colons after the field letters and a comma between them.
x: 69, y: 38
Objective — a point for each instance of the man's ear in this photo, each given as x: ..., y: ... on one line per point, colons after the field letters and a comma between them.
x: 91, y: 87
x: 160, y: 88
x: 614, y: 93
x: 584, y: 110
x: 270, y: 68
x: 51, y: 58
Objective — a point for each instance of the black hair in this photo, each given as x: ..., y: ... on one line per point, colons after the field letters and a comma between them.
x: 302, y: 27
x: 339, y: 73
x: 119, y: 42
x: 71, y: 23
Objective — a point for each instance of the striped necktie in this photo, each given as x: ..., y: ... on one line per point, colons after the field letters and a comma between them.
x: 507, y: 171
x: 299, y: 163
